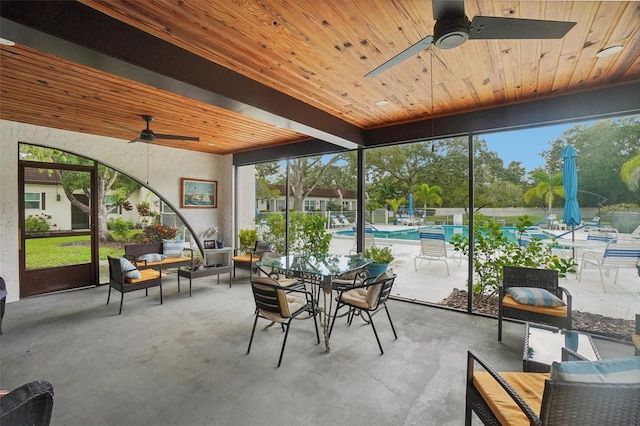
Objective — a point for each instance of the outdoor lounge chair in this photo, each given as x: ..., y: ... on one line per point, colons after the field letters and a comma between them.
x: 275, y: 304
x: 576, y: 392
x: 432, y: 245
x: 335, y: 222
x: 345, y: 221
x: 369, y: 298
x: 119, y: 280
x: 602, y: 234
x: 369, y: 240
x: 617, y: 255
x: 30, y: 404
x: 538, y: 292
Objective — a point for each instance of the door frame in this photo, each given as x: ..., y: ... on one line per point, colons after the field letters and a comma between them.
x: 75, y: 276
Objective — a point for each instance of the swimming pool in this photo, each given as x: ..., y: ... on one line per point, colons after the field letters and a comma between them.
x: 412, y: 233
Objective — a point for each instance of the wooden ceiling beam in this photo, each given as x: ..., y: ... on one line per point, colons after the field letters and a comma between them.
x: 78, y: 33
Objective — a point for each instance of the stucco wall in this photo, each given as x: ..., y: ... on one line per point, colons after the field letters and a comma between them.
x: 165, y: 168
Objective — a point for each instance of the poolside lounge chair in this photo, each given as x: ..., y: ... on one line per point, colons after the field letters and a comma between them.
x: 345, y: 221
x: 432, y: 245
x: 602, y: 234
x: 532, y: 233
x: 618, y: 254
x: 335, y: 222
x: 369, y: 240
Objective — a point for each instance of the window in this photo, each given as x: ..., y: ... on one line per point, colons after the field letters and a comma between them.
x: 280, y: 205
x: 309, y: 205
x: 32, y: 200
x: 111, y: 207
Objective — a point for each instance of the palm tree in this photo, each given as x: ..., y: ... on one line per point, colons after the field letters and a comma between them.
x: 395, y: 203
x: 546, y: 187
x: 630, y: 173
x: 428, y: 194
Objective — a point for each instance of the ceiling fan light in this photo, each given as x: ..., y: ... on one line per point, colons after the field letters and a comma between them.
x: 449, y: 32
x: 147, y: 135
x: 612, y: 50
x: 382, y: 102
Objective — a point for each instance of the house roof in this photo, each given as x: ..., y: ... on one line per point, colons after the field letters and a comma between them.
x: 290, y: 75
x: 333, y: 193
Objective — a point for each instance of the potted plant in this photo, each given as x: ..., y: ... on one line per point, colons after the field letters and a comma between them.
x: 381, y: 257
x: 247, y: 238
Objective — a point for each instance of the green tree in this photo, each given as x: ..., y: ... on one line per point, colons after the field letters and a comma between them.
x: 630, y: 172
x: 428, y: 195
x: 546, y: 187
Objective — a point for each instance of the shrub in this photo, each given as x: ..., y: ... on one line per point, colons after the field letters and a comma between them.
x: 120, y: 227
x: 307, y: 233
x: 247, y: 238
x: 157, y: 233
x: 379, y: 254
x: 37, y: 223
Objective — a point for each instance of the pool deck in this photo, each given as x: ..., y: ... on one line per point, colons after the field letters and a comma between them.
x: 430, y: 282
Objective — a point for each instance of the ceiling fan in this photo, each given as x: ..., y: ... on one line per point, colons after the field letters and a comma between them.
x: 147, y: 135
x: 453, y: 28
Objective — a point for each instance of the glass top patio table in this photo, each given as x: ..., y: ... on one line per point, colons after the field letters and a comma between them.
x: 320, y: 270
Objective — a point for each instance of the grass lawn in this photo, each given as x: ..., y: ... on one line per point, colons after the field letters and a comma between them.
x: 59, y: 251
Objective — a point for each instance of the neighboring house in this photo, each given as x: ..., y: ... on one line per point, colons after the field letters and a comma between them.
x: 44, y: 195
x: 317, y: 200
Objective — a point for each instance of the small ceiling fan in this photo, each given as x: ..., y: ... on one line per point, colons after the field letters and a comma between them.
x: 147, y: 135
x: 453, y: 28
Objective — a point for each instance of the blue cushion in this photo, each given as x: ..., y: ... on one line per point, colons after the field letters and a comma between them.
x: 152, y: 257
x: 172, y: 248
x: 128, y: 269
x: 619, y: 370
x: 535, y: 296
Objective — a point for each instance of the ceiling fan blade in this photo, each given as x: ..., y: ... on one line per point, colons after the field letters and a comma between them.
x: 423, y: 44
x: 121, y: 126
x: 443, y: 8
x: 491, y: 28
x: 177, y: 137
x: 136, y: 140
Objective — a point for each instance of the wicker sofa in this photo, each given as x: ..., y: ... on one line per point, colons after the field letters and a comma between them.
x: 516, y: 398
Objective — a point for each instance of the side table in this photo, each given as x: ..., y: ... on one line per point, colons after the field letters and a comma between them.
x: 543, y: 345
x: 217, y: 261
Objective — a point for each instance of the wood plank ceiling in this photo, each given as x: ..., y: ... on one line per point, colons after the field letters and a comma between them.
x: 307, y: 60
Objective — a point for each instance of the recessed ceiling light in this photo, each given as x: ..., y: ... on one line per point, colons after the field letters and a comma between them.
x: 6, y: 42
x: 210, y: 143
x: 608, y: 51
x: 382, y: 102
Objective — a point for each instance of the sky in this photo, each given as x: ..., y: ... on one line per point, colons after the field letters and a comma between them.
x: 525, y: 145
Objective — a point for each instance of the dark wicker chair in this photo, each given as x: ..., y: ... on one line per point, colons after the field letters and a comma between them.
x: 547, y: 279
x: 636, y: 336
x: 249, y: 260
x: 282, y: 305
x: 30, y: 404
x: 563, y: 403
x: 148, y: 278
x: 369, y: 298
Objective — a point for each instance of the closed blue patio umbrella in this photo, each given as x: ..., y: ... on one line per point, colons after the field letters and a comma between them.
x: 570, y: 184
x: 410, y: 212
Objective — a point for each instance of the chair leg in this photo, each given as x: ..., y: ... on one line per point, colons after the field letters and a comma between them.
x: 109, y: 295
x: 253, y: 330
x: 284, y: 342
x: 121, y: 302
x: 335, y: 315
x: 374, y: 331
x: 390, y: 322
x: 500, y: 322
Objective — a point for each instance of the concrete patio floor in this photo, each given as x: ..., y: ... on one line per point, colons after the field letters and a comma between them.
x: 185, y: 363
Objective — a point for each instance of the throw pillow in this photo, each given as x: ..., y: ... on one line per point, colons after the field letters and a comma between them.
x: 172, y: 248
x: 152, y: 257
x: 128, y: 269
x: 535, y: 296
x: 617, y: 370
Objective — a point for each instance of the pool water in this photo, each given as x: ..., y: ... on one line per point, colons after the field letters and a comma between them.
x: 412, y: 233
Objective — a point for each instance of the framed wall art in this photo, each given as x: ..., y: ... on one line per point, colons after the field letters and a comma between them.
x: 199, y: 193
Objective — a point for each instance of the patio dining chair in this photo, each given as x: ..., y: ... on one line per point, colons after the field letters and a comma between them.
x: 276, y: 305
x: 432, y: 246
x: 368, y: 299
x: 619, y: 254
x: 270, y: 272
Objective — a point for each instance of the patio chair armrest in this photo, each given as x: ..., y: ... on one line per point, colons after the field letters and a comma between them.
x: 473, y: 358
x: 131, y: 258
x: 571, y: 355
x: 592, y: 254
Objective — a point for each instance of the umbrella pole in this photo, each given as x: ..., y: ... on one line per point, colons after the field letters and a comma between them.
x: 573, y: 240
